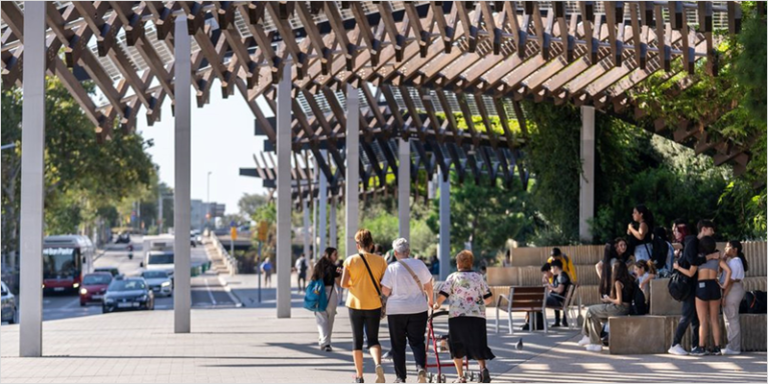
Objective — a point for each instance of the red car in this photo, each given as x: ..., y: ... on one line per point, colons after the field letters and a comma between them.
x: 94, y: 286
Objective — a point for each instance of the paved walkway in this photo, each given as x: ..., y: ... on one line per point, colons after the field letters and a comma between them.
x: 251, y: 345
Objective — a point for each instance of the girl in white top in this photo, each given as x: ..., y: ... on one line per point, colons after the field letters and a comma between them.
x: 733, y: 292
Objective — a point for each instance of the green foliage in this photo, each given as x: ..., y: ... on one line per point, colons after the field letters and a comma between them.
x: 249, y: 203
x: 479, y: 123
x: 485, y: 215
x: 83, y: 177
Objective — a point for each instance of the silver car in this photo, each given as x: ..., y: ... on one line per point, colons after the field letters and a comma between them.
x: 9, y: 305
x: 158, y: 282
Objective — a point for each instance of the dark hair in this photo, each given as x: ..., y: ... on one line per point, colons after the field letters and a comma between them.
x: 605, y: 276
x: 546, y: 267
x: 323, y: 264
x: 647, y: 266
x: 740, y: 253
x: 707, y: 245
x: 620, y: 274
x: 556, y: 252
x: 556, y: 264
x: 616, y: 242
x: 647, y: 215
x: 704, y: 224
x: 660, y: 233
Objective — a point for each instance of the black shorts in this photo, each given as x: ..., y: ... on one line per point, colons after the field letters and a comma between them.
x: 708, y: 290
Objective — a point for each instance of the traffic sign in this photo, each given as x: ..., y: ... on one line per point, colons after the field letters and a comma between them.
x: 233, y: 233
x: 263, y: 229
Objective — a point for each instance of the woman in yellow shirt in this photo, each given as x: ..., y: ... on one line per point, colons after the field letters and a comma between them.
x: 362, y: 277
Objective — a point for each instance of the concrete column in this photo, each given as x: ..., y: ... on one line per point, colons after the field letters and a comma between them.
x: 32, y: 182
x: 182, y: 295
x: 307, y: 227
x: 404, y: 188
x: 322, y: 230
x: 587, y: 180
x: 284, y: 194
x: 352, y: 178
x: 333, y: 230
x: 445, y: 226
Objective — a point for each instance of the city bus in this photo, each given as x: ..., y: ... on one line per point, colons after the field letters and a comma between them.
x: 66, y: 258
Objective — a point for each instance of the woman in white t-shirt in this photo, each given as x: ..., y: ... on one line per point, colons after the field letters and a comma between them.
x: 408, y: 284
x: 733, y: 293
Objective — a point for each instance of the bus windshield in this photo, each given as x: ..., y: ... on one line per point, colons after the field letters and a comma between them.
x: 160, y: 258
x: 59, y: 263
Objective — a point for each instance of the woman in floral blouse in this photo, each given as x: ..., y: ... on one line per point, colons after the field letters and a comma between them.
x: 467, y: 334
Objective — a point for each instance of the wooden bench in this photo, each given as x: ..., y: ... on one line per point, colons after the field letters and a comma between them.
x: 531, y: 300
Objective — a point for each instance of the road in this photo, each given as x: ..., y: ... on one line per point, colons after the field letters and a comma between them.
x: 207, y: 291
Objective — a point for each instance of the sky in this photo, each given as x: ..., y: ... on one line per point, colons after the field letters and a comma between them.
x: 222, y: 143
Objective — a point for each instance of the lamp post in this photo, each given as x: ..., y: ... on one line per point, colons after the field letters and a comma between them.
x: 208, y: 201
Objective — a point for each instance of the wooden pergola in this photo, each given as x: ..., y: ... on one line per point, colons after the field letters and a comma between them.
x: 421, y: 62
x: 350, y: 90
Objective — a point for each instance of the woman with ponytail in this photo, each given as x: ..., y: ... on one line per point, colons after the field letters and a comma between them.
x: 733, y: 293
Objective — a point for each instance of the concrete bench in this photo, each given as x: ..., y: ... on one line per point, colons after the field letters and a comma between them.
x: 639, y: 335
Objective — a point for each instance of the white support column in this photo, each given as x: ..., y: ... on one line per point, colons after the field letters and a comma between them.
x: 445, y: 226
x: 32, y: 182
x: 332, y: 242
x: 322, y: 228
x: 404, y: 188
x: 587, y: 180
x: 284, y: 194
x: 352, y: 178
x: 182, y: 295
x: 307, y: 226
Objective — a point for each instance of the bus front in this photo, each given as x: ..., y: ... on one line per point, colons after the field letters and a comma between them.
x: 61, y: 269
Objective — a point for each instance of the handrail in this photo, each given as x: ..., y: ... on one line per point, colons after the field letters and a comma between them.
x: 229, y: 260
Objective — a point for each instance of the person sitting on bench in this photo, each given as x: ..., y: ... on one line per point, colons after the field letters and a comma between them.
x: 557, y: 290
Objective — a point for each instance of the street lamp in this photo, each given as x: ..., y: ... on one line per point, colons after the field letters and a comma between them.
x: 208, y: 201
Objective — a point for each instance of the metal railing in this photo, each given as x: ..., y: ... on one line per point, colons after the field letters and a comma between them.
x: 229, y: 261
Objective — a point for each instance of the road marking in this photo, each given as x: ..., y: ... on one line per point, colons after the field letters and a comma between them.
x: 208, y: 288
x: 228, y: 290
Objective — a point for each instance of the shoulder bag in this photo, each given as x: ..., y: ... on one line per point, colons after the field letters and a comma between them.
x: 376, y: 285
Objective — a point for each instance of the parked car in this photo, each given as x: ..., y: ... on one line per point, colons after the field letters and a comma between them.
x: 159, y: 282
x: 94, y: 287
x: 9, y: 305
x: 111, y: 270
x: 123, y: 238
x: 130, y: 293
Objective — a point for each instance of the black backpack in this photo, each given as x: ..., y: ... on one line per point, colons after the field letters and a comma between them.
x: 638, y: 307
x: 753, y: 302
x: 679, y: 286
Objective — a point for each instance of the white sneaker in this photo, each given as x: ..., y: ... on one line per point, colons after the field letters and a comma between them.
x: 677, y: 350
x: 594, y: 348
x: 727, y: 351
x: 584, y: 341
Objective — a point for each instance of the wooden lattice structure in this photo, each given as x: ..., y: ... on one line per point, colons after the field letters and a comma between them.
x: 417, y: 65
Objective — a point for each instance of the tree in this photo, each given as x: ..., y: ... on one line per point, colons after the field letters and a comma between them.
x: 83, y: 177
x: 250, y: 202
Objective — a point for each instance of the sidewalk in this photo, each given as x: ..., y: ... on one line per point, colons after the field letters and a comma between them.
x: 250, y: 345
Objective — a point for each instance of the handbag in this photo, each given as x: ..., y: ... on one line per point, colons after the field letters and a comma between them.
x: 679, y: 286
x: 376, y: 285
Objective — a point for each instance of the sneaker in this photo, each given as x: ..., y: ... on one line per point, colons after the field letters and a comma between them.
x: 595, y: 348
x: 422, y: 376
x: 380, y: 374
x: 715, y: 351
x: 727, y: 351
x: 526, y: 327
x: 584, y: 341
x: 399, y: 380
x: 359, y: 380
x: 565, y: 323
x: 460, y: 380
x: 698, y: 351
x: 485, y: 376
x: 677, y: 350
x: 327, y: 348
x: 555, y: 325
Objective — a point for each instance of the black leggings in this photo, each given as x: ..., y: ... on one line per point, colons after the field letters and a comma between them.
x: 365, y: 320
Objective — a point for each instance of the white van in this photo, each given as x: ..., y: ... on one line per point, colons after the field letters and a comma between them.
x: 158, y: 254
